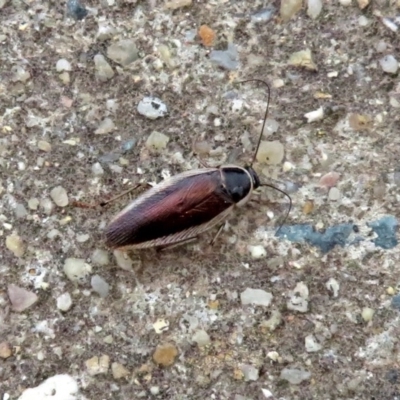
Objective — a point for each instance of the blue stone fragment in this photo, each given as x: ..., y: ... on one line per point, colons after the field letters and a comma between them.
x: 396, y: 302
x: 385, y: 228
x: 76, y: 10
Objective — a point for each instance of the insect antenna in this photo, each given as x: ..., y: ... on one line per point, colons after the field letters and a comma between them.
x: 258, y: 146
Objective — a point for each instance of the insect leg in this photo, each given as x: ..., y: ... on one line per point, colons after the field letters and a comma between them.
x: 171, y: 245
x: 218, y: 233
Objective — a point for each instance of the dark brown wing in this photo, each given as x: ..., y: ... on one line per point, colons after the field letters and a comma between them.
x: 187, y: 203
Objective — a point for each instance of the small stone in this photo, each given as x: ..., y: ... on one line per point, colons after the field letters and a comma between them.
x: 334, y: 194
x: 64, y: 302
x: 202, y: 338
x: 362, y: 3
x: 97, y: 366
x: 33, y: 203
x: 123, y: 52
x: 294, y: 376
x: 44, y: 146
x: 303, y: 59
x: 104, y: 72
x: 63, y: 65
x: 20, y: 74
x: 250, y: 373
x: 47, y: 205
x: 345, y: 3
x: 314, y: 8
x: 389, y: 64
x: 333, y: 286
x: 119, y: 371
x: 271, y: 153
x: 367, y: 314
x: 257, y: 251
x: 315, y: 115
x: 273, y: 321
x: 395, y: 303
x: 100, y: 257
x: 359, y: 122
x: 267, y: 394
x: 273, y: 355
x: 289, y: 8
x: 59, y: 196
x: 271, y: 127
x: 123, y: 260
x: 161, y: 325
x: 106, y: 126
x: 76, y: 10
x: 15, y: 244
x: 76, y: 269
x: 152, y: 107
x: 299, y: 298
x: 20, y: 298
x: 57, y: 387
x: 5, y: 350
x: 165, y: 354
x: 175, y: 4
x: 227, y: 59
x: 20, y: 211
x: 257, y: 297
x: 363, y: 20
x: 329, y: 180
x: 97, y: 169
x: 100, y: 286
x: 390, y: 291
x: 311, y: 344
x: 157, y: 141
x: 207, y: 35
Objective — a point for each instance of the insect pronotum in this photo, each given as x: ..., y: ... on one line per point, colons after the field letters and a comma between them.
x: 180, y: 208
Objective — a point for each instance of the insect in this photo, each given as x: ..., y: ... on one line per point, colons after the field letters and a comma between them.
x: 186, y: 205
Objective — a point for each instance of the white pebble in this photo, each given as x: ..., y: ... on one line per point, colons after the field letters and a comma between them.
x: 315, y: 115
x: 314, y: 8
x: 100, y: 286
x: 33, y: 203
x: 15, y: 244
x: 47, y: 206
x: 334, y: 194
x: 363, y: 20
x: 63, y: 65
x: 271, y: 153
x: 389, y: 64
x: 271, y: 126
x: 311, y: 344
x: 257, y: 251
x: 334, y: 286
x: 106, y: 126
x: 202, y: 338
x: 64, y: 302
x: 59, y: 196
x: 100, y: 257
x: 152, y: 107
x: 157, y: 141
x: 76, y: 269
x: 97, y: 169
x: 257, y: 297
x: 367, y: 314
x: 123, y: 260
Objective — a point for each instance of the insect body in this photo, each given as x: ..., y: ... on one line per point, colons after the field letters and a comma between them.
x: 180, y: 208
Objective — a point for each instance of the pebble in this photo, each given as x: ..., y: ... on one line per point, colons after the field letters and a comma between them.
x: 395, y: 303
x: 76, y: 269
x: 20, y: 298
x: 161, y: 325
x: 47, y: 206
x: 44, y: 146
x: 57, y: 387
x: 207, y: 35
x: 303, y: 59
x: 257, y: 297
x: 100, y: 286
x: 389, y: 64
x: 119, y: 371
x: 5, y: 350
x: 165, y: 354
x: 227, y: 59
x: 271, y: 127
x: 312, y: 346
x: 98, y: 365
x: 362, y: 3
x: 106, y: 126
x: 97, y: 169
x: 314, y: 8
x: 345, y: 3
x: 76, y: 10
x: 294, y: 376
x: 367, y: 314
x: 273, y: 321
x: 123, y: 52
x: 271, y: 153
x: 123, y: 261
x: 257, y: 251
x: 100, y: 257
x: 59, y: 196
x: 289, y: 8
x: 63, y: 65
x: 250, y: 372
x: 20, y: 211
x: 299, y: 298
x: 104, y: 72
x: 315, y: 115
x: 157, y: 141
x: 329, y: 180
x: 64, y: 302
x: 333, y: 286
x: 82, y: 238
x: 175, y: 4
x: 334, y: 194
x: 15, y: 244
x: 152, y: 107
x: 264, y: 14
x: 202, y: 338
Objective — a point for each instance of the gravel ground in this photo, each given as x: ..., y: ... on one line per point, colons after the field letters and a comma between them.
x: 310, y: 313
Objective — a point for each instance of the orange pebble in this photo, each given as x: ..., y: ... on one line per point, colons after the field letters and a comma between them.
x: 207, y: 35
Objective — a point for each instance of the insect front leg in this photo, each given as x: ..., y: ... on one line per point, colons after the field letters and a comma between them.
x: 172, y: 245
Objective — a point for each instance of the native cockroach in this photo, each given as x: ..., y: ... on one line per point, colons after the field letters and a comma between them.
x: 179, y: 209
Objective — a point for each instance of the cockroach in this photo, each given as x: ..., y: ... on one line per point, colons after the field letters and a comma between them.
x: 186, y: 205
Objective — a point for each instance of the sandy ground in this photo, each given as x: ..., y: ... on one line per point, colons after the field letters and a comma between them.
x: 312, y: 313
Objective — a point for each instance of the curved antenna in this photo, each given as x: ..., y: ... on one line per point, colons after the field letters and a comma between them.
x: 290, y: 203
x: 265, y: 115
